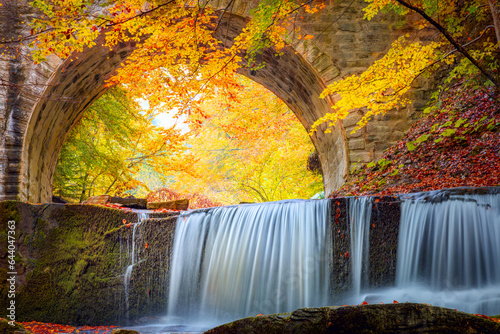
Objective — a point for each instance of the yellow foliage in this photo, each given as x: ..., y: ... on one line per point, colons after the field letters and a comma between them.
x: 177, y: 51
x: 383, y: 85
x: 252, y: 149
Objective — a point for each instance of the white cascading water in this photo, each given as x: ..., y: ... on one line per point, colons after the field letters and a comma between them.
x: 448, y: 252
x: 141, y: 215
x: 249, y: 259
x: 360, y: 210
x: 453, y: 247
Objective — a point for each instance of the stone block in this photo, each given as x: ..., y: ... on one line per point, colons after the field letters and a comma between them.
x: 100, y: 200
x: 330, y: 73
x: 353, y: 166
x: 363, y: 63
x: 311, y: 53
x: 352, y: 119
x: 350, y: 133
x: 346, y: 39
x: 322, y: 63
x: 363, y: 157
x: 180, y: 204
x: 349, y: 26
x: 357, y: 144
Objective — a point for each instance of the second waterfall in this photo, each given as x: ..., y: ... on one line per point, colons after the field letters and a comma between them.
x: 250, y: 259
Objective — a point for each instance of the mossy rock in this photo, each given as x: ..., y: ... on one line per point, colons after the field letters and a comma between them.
x: 7, y: 328
x: 68, y: 267
x: 388, y: 318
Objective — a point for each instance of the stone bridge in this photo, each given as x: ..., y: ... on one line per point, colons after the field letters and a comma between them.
x: 39, y: 104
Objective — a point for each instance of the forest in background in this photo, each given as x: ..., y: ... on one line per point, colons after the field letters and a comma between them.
x: 250, y: 148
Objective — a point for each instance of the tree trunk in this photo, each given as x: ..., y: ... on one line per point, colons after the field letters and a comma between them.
x: 84, y: 188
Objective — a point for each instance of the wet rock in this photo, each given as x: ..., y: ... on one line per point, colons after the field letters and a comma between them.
x: 100, y: 200
x: 124, y: 331
x: 57, y: 199
x: 130, y: 202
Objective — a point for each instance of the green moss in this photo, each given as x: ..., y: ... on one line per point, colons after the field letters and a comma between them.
x: 6, y: 328
x: 70, y: 255
x: 73, y: 268
x: 113, y: 231
x: 9, y: 211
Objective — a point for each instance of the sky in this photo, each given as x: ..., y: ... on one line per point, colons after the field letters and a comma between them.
x: 166, y: 119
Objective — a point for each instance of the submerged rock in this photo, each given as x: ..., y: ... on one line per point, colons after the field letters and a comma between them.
x: 387, y: 318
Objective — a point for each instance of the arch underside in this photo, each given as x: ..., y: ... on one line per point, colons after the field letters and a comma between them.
x: 80, y: 80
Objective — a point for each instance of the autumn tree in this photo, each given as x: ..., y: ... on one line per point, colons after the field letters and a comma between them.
x: 105, y: 152
x: 177, y: 55
x: 466, y: 39
x: 252, y: 150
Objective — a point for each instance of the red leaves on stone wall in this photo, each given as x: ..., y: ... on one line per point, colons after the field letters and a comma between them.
x: 457, y: 145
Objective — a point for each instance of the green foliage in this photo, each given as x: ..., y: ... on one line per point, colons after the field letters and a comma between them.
x: 411, y: 146
x: 105, y: 151
x: 448, y: 132
x: 422, y: 138
x: 383, y: 163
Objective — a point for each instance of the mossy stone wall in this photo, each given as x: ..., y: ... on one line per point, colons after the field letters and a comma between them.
x: 71, y: 261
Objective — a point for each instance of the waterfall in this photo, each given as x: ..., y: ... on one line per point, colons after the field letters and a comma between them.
x: 360, y: 209
x: 141, y: 215
x: 451, y: 247
x: 448, y: 251
x: 249, y: 259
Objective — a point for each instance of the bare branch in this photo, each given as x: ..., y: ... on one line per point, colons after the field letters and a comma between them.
x: 450, y: 38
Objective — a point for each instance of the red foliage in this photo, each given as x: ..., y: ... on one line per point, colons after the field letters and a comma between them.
x: 489, y: 318
x: 36, y: 327
x: 460, y: 147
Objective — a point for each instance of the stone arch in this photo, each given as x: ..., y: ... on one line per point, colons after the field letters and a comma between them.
x: 45, y: 100
x: 80, y: 80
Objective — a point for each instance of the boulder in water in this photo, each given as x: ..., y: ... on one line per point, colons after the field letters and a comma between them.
x: 386, y: 318
x: 123, y: 331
